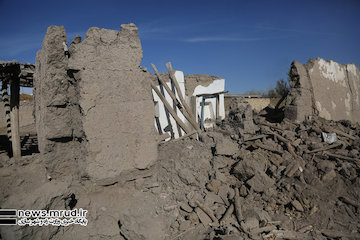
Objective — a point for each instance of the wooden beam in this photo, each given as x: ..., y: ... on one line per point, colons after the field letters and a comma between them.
x: 211, y: 94
x: 182, y: 100
x: 185, y: 112
x: 170, y: 92
x: 217, y: 107
x: 169, y: 108
x: 14, y: 114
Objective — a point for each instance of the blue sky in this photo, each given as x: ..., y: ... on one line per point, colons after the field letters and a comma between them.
x: 249, y: 43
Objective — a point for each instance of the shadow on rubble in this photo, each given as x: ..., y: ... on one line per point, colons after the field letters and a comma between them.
x: 29, y: 145
x: 274, y: 114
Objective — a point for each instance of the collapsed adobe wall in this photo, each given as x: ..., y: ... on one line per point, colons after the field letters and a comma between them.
x: 194, y: 80
x: 105, y: 101
x: 324, y: 88
x: 57, y: 112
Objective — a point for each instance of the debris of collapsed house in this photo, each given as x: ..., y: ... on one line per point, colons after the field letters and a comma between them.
x: 264, y: 180
x: 243, y: 178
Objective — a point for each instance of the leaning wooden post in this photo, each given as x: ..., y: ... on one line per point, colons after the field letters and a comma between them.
x: 178, y: 104
x: 5, y: 98
x: 14, y: 114
x: 182, y: 100
x: 169, y: 108
x: 218, y: 107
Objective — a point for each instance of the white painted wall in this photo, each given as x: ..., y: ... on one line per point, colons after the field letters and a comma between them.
x: 160, y: 108
x: 210, y: 104
x: 209, y: 109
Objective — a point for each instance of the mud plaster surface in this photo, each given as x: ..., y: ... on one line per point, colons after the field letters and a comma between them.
x: 194, y: 80
x: 324, y: 88
x: 99, y: 99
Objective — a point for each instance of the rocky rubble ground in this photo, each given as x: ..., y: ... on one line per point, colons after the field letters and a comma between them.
x: 253, y: 179
x: 248, y: 178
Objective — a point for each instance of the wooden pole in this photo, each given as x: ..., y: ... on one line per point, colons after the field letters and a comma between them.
x: 202, y: 113
x: 169, y: 108
x: 178, y: 104
x: 218, y: 107
x: 187, y: 108
x: 170, y: 92
x: 174, y: 106
x: 5, y: 98
x: 14, y: 114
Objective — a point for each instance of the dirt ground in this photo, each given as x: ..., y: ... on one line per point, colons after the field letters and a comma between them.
x: 248, y: 178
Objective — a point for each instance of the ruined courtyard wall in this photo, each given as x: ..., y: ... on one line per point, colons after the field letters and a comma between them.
x: 324, y: 88
x: 113, y: 97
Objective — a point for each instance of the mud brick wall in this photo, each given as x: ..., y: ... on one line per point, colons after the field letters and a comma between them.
x: 113, y: 98
x: 324, y: 88
x: 57, y: 112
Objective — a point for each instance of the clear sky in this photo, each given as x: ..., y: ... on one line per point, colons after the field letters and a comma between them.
x: 249, y: 43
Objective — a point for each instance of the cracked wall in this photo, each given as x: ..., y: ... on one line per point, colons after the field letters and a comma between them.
x: 324, y: 88
x: 57, y: 112
x: 113, y: 99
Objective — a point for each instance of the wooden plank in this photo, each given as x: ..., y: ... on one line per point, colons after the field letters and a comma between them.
x: 14, y: 114
x: 217, y: 107
x: 182, y: 100
x: 185, y: 136
x: 211, y: 94
x: 174, y: 106
x: 169, y: 108
x: 341, y: 133
x: 186, y: 113
x: 176, y: 103
x: 325, y: 148
x: 164, y: 136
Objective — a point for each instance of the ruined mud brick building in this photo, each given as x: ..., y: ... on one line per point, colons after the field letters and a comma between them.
x: 94, y: 109
x: 324, y: 88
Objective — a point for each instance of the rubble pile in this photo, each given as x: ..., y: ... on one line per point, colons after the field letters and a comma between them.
x: 247, y: 178
x: 252, y: 179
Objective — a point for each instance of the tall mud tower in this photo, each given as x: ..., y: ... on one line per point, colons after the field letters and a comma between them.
x: 94, y: 110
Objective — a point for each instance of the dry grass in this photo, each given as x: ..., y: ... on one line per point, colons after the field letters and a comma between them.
x: 26, y: 97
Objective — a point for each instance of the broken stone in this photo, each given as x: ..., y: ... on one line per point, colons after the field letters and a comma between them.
x: 219, y: 211
x: 250, y: 224
x: 247, y: 168
x: 243, y: 191
x: 221, y: 162
x: 186, y: 207
x: 297, y: 205
x: 204, y: 218
x: 212, y: 198
x: 213, y: 186
x: 329, y: 175
x: 226, y: 147
x: 223, y: 194
x: 260, y: 182
x: 325, y: 166
x: 193, y: 218
x: 185, y: 225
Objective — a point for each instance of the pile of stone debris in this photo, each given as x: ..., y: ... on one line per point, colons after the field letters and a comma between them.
x: 248, y: 178
x: 252, y: 179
